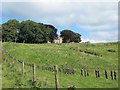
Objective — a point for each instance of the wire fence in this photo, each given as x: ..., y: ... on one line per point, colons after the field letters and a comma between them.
x: 108, y: 73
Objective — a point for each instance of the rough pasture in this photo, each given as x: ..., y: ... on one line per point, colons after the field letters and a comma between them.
x: 64, y: 57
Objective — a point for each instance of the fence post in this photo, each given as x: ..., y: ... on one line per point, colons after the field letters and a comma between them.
x: 87, y: 73
x: 82, y: 72
x: 111, y: 74
x: 106, y: 74
x: 23, y: 67
x: 114, y: 75
x: 33, y: 72
x: 98, y: 73
x: 56, y: 77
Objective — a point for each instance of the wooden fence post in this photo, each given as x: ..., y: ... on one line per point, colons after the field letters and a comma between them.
x: 82, y: 72
x: 98, y: 73
x: 56, y: 77
x: 111, y: 74
x: 23, y: 67
x: 33, y: 72
x: 114, y: 75
x: 87, y: 73
x: 106, y: 74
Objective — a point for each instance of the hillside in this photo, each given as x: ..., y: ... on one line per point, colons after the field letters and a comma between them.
x: 75, y: 56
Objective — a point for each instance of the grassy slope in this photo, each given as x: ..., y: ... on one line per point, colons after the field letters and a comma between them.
x: 53, y: 54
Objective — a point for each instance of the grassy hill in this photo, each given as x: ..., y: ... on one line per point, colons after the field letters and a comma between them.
x: 75, y: 56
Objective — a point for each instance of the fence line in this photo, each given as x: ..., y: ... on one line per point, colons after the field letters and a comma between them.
x: 83, y: 71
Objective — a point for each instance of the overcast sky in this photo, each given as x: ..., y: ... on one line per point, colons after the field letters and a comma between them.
x: 95, y: 21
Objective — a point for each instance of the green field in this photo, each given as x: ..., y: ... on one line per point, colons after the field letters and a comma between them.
x: 66, y: 55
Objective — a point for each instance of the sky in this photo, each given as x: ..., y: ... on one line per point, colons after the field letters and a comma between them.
x: 95, y: 20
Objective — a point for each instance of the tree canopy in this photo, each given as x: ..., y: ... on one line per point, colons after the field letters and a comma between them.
x: 70, y: 36
x: 28, y: 31
x: 32, y: 32
x: 9, y: 30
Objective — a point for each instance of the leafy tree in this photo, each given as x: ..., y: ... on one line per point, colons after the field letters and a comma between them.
x: 9, y: 30
x: 46, y: 32
x: 53, y: 33
x: 32, y: 32
x: 70, y: 36
x: 28, y: 30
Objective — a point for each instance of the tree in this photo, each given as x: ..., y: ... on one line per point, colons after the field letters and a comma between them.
x: 70, y: 36
x: 32, y: 32
x: 53, y: 33
x: 29, y: 31
x: 9, y: 30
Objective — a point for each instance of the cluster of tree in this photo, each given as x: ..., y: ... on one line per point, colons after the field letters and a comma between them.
x: 70, y: 36
x: 31, y: 32
x: 28, y: 31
